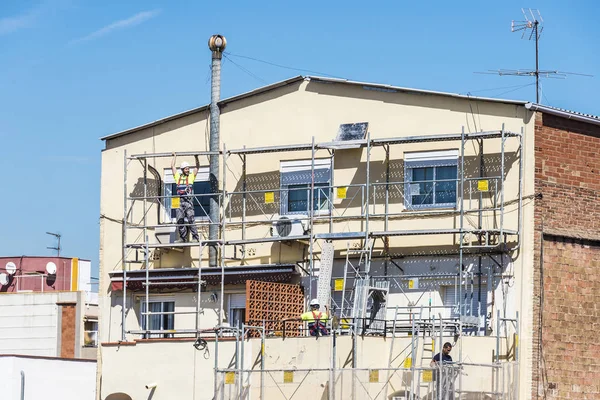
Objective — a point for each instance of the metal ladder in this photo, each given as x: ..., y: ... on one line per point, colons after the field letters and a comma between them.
x: 357, y: 269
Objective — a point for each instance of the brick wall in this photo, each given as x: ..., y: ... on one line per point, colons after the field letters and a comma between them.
x: 567, y: 219
x: 68, y: 330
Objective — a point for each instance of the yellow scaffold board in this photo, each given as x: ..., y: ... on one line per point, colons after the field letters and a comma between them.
x: 373, y: 376
x: 483, y: 185
x: 229, y: 378
x: 269, y: 197
x: 288, y: 376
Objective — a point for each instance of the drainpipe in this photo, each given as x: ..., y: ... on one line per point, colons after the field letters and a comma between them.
x: 216, y: 44
x: 22, y: 385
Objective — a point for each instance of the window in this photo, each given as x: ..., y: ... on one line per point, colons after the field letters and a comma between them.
x: 90, y: 333
x: 298, y: 196
x: 162, y: 317
x: 430, y: 179
x: 296, y: 185
x: 237, y: 309
x: 201, y: 188
x: 471, y: 304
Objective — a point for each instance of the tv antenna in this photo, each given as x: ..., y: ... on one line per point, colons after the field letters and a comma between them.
x: 532, y: 27
x: 57, y: 248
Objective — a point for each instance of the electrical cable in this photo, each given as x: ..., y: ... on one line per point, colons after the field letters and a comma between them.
x: 282, y: 66
x: 513, y: 90
x: 246, y: 70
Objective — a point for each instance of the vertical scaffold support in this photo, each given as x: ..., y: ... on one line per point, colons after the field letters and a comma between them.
x: 311, y: 215
x: 146, y: 249
x: 461, y: 206
x: 367, y: 192
x: 199, y: 288
x: 124, y: 252
x: 220, y: 249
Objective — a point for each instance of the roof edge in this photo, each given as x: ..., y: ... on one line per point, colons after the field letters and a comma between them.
x: 413, y: 90
x: 254, y: 92
x: 562, y: 113
x: 298, y: 78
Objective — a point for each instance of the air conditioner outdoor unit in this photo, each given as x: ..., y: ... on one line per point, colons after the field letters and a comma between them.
x: 289, y: 225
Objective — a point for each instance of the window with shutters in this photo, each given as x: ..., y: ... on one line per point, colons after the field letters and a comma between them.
x: 430, y: 179
x: 474, y: 301
x: 237, y: 309
x: 296, y: 184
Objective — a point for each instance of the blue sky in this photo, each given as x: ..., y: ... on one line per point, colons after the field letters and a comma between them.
x: 72, y: 71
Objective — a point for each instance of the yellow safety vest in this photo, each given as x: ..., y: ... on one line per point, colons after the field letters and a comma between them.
x: 184, y: 183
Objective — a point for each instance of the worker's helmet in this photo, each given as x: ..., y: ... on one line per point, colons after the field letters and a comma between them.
x: 185, y: 165
x: 314, y: 302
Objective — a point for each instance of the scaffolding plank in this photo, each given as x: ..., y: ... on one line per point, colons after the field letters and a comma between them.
x: 325, y: 270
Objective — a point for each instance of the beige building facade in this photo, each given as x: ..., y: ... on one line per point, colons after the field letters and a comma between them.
x: 323, y: 182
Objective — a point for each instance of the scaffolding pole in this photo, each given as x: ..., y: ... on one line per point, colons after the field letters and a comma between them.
x: 124, y: 250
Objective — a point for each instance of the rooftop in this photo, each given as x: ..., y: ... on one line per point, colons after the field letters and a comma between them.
x: 367, y: 85
x: 273, y: 86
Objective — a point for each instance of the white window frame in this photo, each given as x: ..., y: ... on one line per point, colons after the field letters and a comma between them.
x: 203, y: 175
x: 92, y: 334
x: 298, y: 172
x: 428, y: 159
x: 235, y: 305
x: 157, y: 299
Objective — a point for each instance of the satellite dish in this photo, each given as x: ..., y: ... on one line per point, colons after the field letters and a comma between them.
x: 11, y: 267
x: 51, y: 268
x: 3, y: 279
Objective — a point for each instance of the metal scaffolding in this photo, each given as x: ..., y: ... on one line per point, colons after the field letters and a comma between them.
x: 361, y: 207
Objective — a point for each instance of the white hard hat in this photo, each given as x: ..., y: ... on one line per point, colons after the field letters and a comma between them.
x: 314, y: 302
x: 185, y: 164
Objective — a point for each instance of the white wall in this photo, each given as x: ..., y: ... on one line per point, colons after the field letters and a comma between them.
x: 29, y: 322
x: 46, y: 378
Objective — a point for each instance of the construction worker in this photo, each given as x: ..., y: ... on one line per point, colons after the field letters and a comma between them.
x: 185, y: 190
x: 438, y: 360
x: 316, y: 319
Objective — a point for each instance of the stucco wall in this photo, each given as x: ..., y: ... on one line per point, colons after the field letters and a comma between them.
x: 294, y: 114
x: 181, y: 372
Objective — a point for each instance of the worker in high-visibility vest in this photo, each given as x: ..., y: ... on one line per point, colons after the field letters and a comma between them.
x: 185, y: 190
x: 316, y: 319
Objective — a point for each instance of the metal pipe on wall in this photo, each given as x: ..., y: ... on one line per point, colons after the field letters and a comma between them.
x: 22, y: 385
x: 216, y: 44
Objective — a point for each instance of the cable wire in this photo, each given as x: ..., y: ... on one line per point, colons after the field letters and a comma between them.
x: 282, y: 66
x: 513, y: 90
x: 245, y: 70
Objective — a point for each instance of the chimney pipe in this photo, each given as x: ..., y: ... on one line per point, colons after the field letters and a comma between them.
x: 216, y: 44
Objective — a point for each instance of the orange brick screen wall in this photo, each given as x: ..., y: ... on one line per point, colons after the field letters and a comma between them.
x: 566, y: 285
x: 273, y: 302
x: 68, y: 325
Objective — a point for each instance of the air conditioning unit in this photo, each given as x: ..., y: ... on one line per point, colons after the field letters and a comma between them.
x: 289, y: 225
x: 166, y: 234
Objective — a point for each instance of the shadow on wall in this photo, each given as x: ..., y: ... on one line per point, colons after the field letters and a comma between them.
x: 256, y: 206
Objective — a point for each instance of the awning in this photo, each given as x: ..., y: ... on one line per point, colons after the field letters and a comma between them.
x: 169, y: 278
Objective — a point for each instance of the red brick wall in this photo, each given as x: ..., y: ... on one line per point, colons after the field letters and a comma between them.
x: 567, y: 211
x: 68, y: 326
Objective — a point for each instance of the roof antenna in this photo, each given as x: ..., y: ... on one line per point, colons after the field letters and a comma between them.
x: 57, y: 247
x: 532, y: 27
